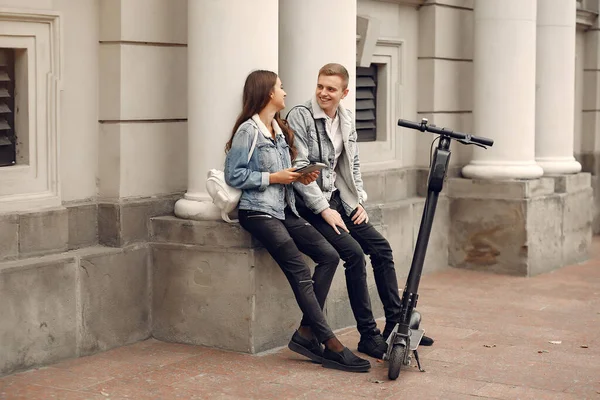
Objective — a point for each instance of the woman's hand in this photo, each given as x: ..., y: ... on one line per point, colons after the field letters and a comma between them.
x: 285, y: 176
x: 308, y: 178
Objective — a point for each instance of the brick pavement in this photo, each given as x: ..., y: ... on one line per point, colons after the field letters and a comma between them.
x: 492, y: 334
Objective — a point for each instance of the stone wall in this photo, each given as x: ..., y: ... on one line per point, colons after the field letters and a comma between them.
x: 209, y: 283
x: 520, y: 227
x: 84, y: 301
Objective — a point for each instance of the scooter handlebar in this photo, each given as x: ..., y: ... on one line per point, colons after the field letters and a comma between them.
x: 462, y: 137
x: 412, y: 125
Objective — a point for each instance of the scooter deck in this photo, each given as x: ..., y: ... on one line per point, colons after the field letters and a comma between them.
x: 415, y: 338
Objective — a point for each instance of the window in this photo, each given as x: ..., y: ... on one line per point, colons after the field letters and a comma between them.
x: 31, y: 60
x: 7, y: 107
x: 366, y: 103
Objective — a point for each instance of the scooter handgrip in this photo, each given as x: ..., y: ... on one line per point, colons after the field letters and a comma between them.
x: 482, y: 140
x: 410, y: 124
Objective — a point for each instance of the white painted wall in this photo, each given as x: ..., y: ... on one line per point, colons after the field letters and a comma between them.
x: 142, y: 98
x: 445, y: 91
x: 398, y: 24
x: 79, y: 117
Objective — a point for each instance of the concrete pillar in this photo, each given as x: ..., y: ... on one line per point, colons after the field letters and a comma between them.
x: 504, y: 89
x: 313, y: 33
x: 227, y: 39
x: 555, y: 95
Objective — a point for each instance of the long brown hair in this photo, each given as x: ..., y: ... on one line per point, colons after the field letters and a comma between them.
x: 257, y: 94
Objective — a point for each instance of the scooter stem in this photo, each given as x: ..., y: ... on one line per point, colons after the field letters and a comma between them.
x: 437, y: 174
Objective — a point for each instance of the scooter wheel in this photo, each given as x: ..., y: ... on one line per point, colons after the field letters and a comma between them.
x: 396, y: 360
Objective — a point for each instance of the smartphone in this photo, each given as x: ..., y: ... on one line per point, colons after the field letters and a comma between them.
x: 311, y: 168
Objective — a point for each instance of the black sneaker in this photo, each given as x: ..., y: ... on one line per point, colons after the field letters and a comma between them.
x: 345, y: 361
x: 308, y: 348
x: 373, y: 345
x: 425, y: 340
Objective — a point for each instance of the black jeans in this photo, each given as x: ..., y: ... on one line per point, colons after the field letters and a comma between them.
x: 363, y: 239
x: 285, y: 240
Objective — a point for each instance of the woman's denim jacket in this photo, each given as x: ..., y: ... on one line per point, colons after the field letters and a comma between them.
x: 252, y: 177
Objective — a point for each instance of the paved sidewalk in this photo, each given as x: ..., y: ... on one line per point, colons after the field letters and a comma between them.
x: 497, y: 337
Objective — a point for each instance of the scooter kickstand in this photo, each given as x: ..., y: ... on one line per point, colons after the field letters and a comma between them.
x: 417, y: 360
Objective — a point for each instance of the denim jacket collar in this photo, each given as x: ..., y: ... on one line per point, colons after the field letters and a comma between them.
x: 263, y: 128
x: 344, y: 116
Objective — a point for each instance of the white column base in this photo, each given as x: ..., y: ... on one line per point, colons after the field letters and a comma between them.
x: 559, y: 165
x: 502, y: 170
x: 203, y: 210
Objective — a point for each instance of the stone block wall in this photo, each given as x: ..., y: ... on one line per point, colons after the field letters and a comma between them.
x: 520, y: 227
x: 72, y: 304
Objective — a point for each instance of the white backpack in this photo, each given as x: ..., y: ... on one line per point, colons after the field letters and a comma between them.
x: 224, y: 196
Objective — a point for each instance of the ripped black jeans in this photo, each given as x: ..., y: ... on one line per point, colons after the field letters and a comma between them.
x: 285, y: 240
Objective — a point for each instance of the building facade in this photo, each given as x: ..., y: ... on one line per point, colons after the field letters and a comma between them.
x: 113, y: 111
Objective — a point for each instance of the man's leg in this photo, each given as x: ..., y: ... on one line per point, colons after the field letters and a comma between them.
x: 356, y: 279
x: 355, y: 269
x: 378, y: 248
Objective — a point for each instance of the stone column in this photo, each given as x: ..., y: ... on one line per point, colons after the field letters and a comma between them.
x: 227, y: 39
x: 504, y: 94
x: 313, y: 33
x: 555, y: 95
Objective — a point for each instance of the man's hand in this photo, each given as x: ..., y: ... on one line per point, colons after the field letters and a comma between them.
x: 334, y: 219
x: 309, y: 177
x: 360, y: 216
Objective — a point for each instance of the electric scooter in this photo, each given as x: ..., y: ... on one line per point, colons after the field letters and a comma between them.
x: 406, y: 335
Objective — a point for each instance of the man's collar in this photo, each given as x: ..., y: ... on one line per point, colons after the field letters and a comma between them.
x: 317, y: 110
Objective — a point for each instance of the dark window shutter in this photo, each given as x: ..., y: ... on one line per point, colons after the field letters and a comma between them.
x: 366, y: 103
x: 7, y: 107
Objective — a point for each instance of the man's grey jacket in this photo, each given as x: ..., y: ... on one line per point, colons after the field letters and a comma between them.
x: 348, y: 179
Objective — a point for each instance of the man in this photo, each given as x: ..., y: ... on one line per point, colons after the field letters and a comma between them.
x: 325, y: 132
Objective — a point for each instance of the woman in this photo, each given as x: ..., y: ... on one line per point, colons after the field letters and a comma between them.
x: 267, y: 210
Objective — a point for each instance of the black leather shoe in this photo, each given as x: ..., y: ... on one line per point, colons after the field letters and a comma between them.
x: 345, y: 361
x: 373, y: 345
x: 308, y: 348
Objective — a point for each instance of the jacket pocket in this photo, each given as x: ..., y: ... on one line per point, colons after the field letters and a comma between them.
x: 267, y: 156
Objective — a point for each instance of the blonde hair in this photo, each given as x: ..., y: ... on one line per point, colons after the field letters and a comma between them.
x: 334, y: 69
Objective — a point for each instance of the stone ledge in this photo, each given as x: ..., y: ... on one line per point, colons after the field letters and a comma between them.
x: 48, y: 231
x: 83, y: 225
x: 170, y: 229
x: 509, y: 189
x: 43, y: 232
x: 572, y: 183
x: 127, y: 222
